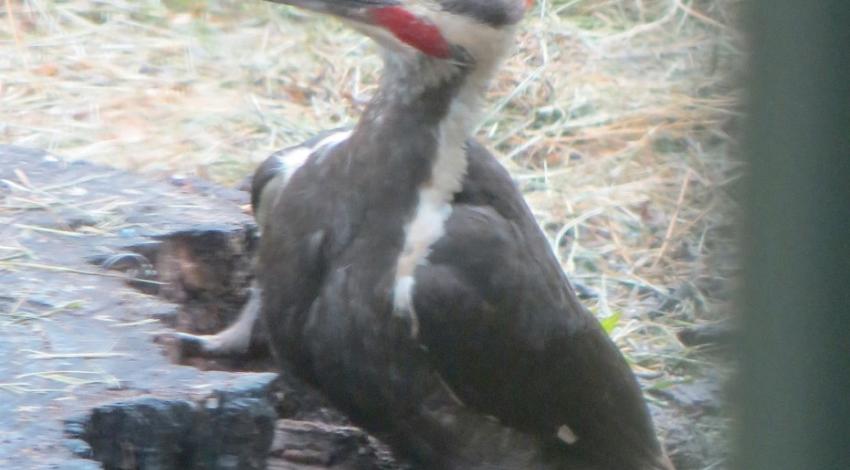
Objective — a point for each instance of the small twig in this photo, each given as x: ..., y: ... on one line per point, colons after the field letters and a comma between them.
x: 13, y: 26
x: 19, y: 315
x: 646, y: 27
x: 691, y: 11
x: 574, y: 223
x: 85, y: 355
x: 672, y: 226
x: 78, y: 181
x: 54, y: 231
x: 66, y: 377
x: 78, y: 271
x: 17, y: 388
x: 135, y: 323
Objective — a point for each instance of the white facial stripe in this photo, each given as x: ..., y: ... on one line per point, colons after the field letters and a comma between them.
x: 403, y: 302
x: 427, y: 226
x: 483, y: 41
x: 435, y: 198
x: 487, y: 45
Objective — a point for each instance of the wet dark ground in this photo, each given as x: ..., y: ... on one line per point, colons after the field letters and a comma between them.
x: 94, y: 263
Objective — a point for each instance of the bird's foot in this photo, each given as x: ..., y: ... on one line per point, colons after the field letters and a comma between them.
x: 185, y: 345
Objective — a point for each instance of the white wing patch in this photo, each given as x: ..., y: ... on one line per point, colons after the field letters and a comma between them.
x: 291, y: 161
x: 329, y: 142
x: 288, y: 163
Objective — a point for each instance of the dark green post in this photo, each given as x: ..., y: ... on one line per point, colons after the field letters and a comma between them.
x: 795, y: 407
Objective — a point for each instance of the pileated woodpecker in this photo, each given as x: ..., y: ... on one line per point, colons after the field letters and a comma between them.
x: 403, y: 274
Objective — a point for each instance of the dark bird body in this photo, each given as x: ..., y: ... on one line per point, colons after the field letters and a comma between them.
x: 500, y: 330
x: 403, y: 274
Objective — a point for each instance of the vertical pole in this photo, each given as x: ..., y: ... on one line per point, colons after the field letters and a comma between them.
x: 795, y: 356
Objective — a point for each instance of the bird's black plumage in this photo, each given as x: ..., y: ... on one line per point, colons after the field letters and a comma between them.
x: 494, y: 357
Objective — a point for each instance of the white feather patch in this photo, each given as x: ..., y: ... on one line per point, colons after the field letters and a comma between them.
x: 487, y: 45
x: 435, y: 198
x: 566, y: 434
x: 291, y: 161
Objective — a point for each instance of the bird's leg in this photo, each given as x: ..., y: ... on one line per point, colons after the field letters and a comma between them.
x: 233, y: 341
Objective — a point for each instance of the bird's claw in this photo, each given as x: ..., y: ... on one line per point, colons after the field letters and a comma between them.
x: 184, y: 344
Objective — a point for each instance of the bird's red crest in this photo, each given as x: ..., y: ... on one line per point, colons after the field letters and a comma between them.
x: 413, y: 30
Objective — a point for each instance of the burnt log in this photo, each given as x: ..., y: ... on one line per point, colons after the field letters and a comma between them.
x: 95, y: 263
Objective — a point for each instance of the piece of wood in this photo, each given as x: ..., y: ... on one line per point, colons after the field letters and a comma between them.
x: 81, y: 376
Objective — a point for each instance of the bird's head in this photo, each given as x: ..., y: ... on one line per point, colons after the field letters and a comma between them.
x: 444, y: 33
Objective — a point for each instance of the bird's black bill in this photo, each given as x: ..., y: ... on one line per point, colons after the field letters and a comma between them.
x: 390, y: 15
x: 357, y: 10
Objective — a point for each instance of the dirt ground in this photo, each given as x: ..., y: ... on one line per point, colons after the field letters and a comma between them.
x: 616, y: 117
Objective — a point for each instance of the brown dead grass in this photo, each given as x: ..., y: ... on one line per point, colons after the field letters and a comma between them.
x: 611, y: 114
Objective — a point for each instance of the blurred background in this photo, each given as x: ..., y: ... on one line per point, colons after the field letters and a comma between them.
x: 617, y: 118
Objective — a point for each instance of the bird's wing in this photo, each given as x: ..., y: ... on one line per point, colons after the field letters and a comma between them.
x: 505, y: 331
x: 291, y: 211
x: 488, y: 323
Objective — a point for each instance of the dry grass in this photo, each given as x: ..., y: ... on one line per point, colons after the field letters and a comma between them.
x: 612, y: 115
